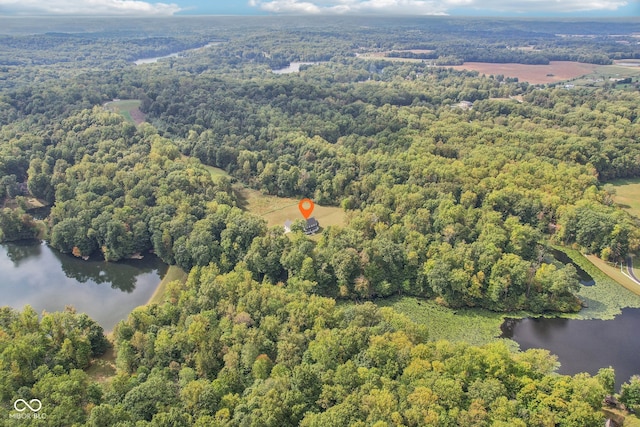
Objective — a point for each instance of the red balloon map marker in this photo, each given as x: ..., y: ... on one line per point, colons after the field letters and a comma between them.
x: 306, y: 207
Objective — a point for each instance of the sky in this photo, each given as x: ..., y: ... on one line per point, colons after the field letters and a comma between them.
x: 522, y: 8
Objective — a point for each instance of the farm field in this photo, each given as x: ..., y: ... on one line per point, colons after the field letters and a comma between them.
x: 129, y: 108
x: 535, y: 74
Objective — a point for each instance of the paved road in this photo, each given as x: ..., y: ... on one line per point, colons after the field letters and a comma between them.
x: 630, y: 270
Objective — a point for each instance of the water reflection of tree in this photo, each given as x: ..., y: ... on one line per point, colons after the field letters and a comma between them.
x: 121, y: 275
x: 20, y: 251
x: 508, y: 327
x: 544, y: 327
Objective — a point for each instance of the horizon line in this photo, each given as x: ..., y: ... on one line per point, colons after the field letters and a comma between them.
x: 328, y: 15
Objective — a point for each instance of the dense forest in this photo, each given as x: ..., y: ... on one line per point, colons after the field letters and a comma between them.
x: 459, y: 205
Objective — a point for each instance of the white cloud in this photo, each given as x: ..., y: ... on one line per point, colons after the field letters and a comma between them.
x: 88, y: 7
x: 413, y: 7
x: 433, y: 7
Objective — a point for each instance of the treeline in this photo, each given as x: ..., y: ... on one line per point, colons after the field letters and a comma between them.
x: 87, y: 49
x: 124, y: 191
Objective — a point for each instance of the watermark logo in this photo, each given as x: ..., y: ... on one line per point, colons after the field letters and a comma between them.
x: 27, y: 410
x: 21, y: 405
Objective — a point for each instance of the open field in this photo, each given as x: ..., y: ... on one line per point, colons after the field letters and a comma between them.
x: 382, y: 55
x: 173, y: 273
x: 627, y: 62
x: 615, y: 273
x: 628, y: 195
x: 30, y: 202
x: 129, y: 108
x: 276, y: 210
x: 216, y: 173
x: 535, y: 74
x: 604, y: 73
x: 103, y: 368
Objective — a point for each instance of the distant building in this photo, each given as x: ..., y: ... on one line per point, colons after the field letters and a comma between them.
x: 287, y: 226
x: 311, y: 226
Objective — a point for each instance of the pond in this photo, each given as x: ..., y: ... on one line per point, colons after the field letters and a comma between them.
x: 34, y: 274
x: 583, y: 345
x: 584, y: 277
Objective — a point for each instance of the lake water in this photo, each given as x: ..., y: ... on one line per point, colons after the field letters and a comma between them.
x: 294, y: 67
x: 154, y: 59
x: 583, y: 345
x: 33, y: 273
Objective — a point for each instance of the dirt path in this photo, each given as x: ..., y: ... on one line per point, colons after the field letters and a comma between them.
x: 137, y: 116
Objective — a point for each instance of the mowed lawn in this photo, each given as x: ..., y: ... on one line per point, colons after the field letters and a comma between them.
x: 628, y: 195
x: 276, y: 210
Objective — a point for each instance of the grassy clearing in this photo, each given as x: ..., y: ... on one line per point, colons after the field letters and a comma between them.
x: 29, y: 202
x: 129, y: 109
x: 607, y: 297
x: 613, y: 271
x: 173, y: 273
x: 104, y: 367
x: 628, y: 195
x: 474, y: 326
x: 216, y: 173
x: 276, y: 210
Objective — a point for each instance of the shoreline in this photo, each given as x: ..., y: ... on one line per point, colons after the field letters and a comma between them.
x: 173, y: 273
